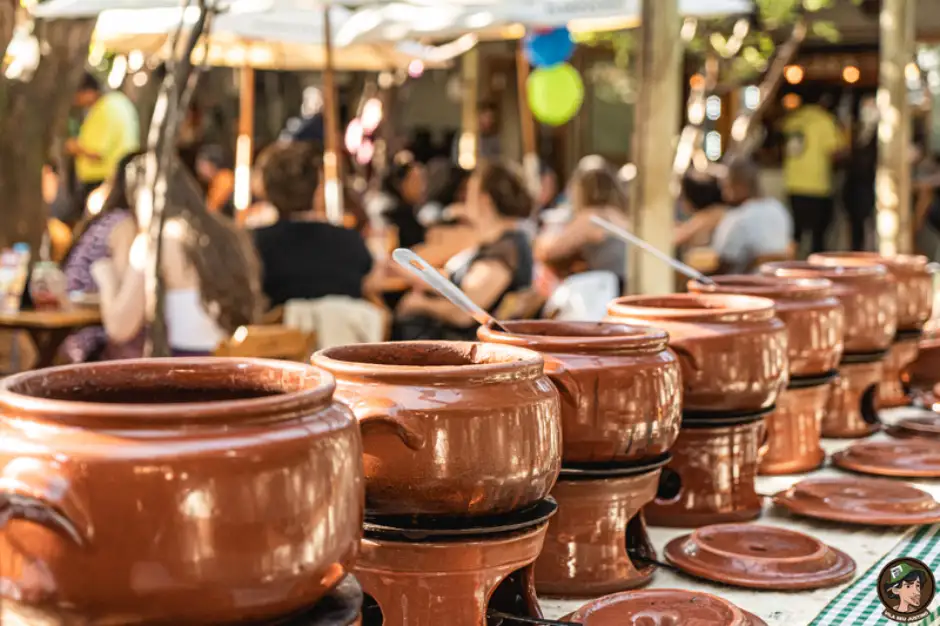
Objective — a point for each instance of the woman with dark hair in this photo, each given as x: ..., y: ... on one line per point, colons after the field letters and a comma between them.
x: 108, y: 234
x: 405, y: 186
x: 497, y: 205
x: 701, y: 203
x: 302, y: 255
x: 209, y: 268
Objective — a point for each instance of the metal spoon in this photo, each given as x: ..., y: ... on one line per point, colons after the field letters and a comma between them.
x: 436, y: 281
x: 632, y: 239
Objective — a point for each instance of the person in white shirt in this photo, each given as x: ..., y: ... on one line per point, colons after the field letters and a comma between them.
x: 754, y: 226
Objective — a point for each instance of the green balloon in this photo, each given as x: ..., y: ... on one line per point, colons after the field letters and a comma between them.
x: 555, y: 93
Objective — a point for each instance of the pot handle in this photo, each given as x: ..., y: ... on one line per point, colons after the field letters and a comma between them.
x: 385, y: 415
x: 38, y: 491
x: 563, y: 380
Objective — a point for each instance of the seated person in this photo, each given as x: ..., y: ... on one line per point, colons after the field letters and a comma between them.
x: 497, y: 204
x: 302, y: 255
x: 701, y: 204
x: 754, y: 226
x: 594, y: 191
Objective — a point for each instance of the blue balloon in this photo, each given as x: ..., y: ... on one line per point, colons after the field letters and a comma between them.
x: 550, y: 48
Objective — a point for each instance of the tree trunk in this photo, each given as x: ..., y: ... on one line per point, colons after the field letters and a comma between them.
x: 32, y: 115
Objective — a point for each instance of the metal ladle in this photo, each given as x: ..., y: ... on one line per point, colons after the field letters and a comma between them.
x: 632, y: 239
x: 439, y: 283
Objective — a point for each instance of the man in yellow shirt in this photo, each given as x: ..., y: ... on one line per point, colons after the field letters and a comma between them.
x: 813, y: 143
x: 110, y: 131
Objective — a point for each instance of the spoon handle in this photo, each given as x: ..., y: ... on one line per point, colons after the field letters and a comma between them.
x: 423, y: 270
x: 632, y: 239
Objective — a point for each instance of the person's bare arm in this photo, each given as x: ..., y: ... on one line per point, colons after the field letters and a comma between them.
x: 701, y: 222
x: 484, y: 283
x: 568, y: 241
x: 119, y: 243
x: 123, y: 295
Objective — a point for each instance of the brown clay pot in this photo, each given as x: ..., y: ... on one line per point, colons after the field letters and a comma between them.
x: 813, y: 316
x: 450, y: 428
x: 662, y: 607
x: 914, y: 281
x: 161, y: 490
x: 598, y: 521
x: 794, y: 430
x: 716, y: 463
x: 852, y: 410
x: 924, y: 372
x: 619, y: 385
x: 430, y: 583
x: 903, y: 352
x: 732, y: 349
x: 868, y: 296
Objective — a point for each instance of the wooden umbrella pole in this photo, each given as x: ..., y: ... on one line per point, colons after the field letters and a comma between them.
x: 530, y: 152
x: 245, y: 141
x: 332, y: 168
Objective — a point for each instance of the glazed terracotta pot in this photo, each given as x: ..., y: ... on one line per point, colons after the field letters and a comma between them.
x: 619, y: 386
x: 868, y: 296
x: 716, y: 462
x: 853, y: 404
x: 599, y: 523
x: 813, y: 316
x: 903, y: 352
x: 430, y: 583
x: 184, y: 491
x: 450, y: 428
x: 794, y: 430
x: 914, y: 281
x: 732, y: 349
x: 924, y: 372
x: 663, y: 607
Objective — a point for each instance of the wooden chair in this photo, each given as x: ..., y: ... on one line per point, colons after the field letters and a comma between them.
x: 274, y: 316
x: 269, y: 342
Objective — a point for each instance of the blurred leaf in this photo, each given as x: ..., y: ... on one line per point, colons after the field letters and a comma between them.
x: 816, y: 5
x: 826, y: 30
x: 718, y: 42
x: 766, y: 44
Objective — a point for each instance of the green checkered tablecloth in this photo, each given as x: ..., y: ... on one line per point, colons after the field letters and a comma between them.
x: 858, y: 604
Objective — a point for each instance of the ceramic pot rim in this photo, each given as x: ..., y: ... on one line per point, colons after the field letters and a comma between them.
x: 699, y: 307
x: 903, y: 263
x: 313, y: 389
x: 775, y: 287
x: 805, y: 269
x: 582, y: 614
x: 617, y: 338
x: 505, y: 362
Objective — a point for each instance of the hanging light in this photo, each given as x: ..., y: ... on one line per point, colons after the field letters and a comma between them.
x: 371, y: 115
x: 354, y: 136
x: 794, y: 74
x: 791, y: 101
x: 416, y: 68
x: 365, y: 153
x: 851, y: 74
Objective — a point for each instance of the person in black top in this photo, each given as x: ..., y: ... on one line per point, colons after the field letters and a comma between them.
x: 497, y: 204
x: 405, y: 185
x: 302, y: 255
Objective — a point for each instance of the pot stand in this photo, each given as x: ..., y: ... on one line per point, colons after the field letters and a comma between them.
x: 852, y: 411
x: 793, y: 429
x: 434, y: 576
x: 894, y: 390
x: 597, y: 543
x: 715, y: 461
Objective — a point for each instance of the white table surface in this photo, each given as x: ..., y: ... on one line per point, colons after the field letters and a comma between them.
x: 865, y: 544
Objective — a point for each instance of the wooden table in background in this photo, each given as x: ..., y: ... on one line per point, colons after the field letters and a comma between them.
x: 49, y: 329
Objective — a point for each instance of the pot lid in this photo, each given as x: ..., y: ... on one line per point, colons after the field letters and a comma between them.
x: 926, y: 427
x: 662, y: 606
x: 913, y: 458
x: 759, y: 557
x: 870, y: 501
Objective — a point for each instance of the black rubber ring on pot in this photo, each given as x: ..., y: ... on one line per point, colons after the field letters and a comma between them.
x: 710, y: 417
x: 804, y: 382
x: 725, y: 420
x: 600, y: 471
x: 862, y: 357
x: 438, y: 528
x: 907, y: 335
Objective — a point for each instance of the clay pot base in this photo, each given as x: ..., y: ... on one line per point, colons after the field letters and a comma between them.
x: 927, y: 427
x: 852, y: 500
x: 434, y: 582
x: 759, y: 557
x: 913, y: 458
x: 660, y: 607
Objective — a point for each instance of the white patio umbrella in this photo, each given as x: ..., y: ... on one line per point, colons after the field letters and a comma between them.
x: 90, y: 8
x: 409, y: 20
